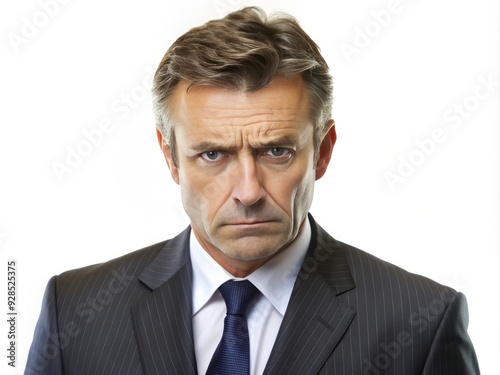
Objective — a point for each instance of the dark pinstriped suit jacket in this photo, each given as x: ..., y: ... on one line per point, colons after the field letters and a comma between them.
x: 350, y: 313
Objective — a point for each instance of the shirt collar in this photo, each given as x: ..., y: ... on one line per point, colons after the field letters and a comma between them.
x: 275, y: 279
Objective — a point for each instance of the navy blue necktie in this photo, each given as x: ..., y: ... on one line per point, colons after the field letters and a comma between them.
x: 232, y: 356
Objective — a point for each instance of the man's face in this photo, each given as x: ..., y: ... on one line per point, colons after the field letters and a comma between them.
x: 245, y: 166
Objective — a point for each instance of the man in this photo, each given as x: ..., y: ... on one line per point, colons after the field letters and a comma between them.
x: 243, y: 108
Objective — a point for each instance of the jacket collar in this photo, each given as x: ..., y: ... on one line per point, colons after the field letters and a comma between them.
x: 316, y: 319
x: 173, y: 256
x: 162, y: 320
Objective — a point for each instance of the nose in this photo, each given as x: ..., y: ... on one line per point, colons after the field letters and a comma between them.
x: 248, y: 189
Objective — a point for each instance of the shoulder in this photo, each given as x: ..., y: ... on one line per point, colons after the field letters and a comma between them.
x: 409, y: 313
x: 372, y: 273
x: 128, y: 265
x: 377, y: 278
x: 122, y: 273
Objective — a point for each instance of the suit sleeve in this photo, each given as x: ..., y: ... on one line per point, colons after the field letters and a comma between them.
x: 452, y: 351
x: 45, y: 355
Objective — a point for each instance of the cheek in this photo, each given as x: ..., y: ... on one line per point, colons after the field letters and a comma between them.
x: 304, y: 190
x: 293, y: 190
x: 191, y: 191
x: 304, y: 193
x: 200, y: 196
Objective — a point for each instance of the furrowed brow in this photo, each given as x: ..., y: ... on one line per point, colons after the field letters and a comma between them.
x: 206, y: 146
x: 284, y: 141
x: 278, y: 141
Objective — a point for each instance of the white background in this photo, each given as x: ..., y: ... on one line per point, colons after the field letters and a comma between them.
x: 406, y: 80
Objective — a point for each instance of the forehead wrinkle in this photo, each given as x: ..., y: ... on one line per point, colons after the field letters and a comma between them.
x: 258, y: 128
x: 246, y: 118
x: 242, y: 137
x: 209, y: 137
x: 292, y: 134
x: 237, y: 109
x: 229, y: 119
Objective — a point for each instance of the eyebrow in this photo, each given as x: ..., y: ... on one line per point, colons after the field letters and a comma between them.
x: 274, y: 142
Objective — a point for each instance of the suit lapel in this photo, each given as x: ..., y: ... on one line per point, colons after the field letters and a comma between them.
x: 315, y: 319
x: 313, y: 325
x: 162, y: 320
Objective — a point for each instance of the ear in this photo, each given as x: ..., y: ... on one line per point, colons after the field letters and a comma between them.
x: 174, y: 171
x: 325, y: 149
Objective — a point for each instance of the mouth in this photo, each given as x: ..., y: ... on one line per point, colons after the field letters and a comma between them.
x: 250, y: 223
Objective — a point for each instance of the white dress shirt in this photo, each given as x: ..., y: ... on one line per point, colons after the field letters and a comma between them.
x: 275, y: 281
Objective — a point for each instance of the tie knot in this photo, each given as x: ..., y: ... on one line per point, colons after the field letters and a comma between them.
x: 238, y: 295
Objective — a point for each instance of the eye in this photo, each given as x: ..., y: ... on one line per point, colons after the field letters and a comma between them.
x: 278, y: 152
x: 278, y: 155
x: 212, y: 156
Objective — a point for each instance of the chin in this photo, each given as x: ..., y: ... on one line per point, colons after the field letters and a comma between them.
x: 252, y: 251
